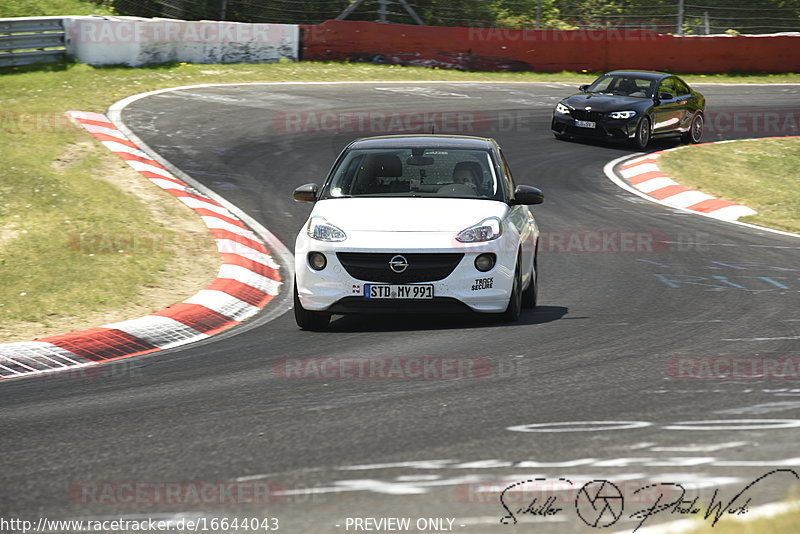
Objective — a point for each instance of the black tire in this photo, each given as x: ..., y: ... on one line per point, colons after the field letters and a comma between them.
x: 642, y: 137
x: 514, y: 308
x: 561, y: 137
x: 307, y: 319
x: 530, y: 295
x: 695, y: 132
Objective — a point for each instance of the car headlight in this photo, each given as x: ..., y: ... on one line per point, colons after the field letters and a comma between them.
x: 622, y: 114
x: 320, y: 229
x: 487, y: 230
x: 561, y: 108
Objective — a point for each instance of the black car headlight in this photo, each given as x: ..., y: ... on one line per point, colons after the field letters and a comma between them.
x: 561, y: 108
x: 622, y: 114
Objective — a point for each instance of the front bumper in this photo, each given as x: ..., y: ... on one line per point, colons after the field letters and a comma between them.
x: 336, y: 290
x: 606, y: 129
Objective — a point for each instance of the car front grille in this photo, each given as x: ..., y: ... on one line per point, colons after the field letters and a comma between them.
x: 422, y: 267
x: 583, y: 115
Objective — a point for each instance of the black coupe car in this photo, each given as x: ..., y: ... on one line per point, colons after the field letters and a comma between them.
x: 632, y: 105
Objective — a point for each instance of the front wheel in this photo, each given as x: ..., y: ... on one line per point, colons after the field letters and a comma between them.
x: 514, y: 308
x: 642, y: 134
x: 695, y: 132
x: 307, y: 319
x: 529, y: 296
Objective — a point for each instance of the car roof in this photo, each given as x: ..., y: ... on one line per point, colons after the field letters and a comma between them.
x: 646, y: 74
x: 425, y: 141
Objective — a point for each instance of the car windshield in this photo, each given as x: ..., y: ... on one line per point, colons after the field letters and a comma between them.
x: 415, y: 172
x: 623, y: 85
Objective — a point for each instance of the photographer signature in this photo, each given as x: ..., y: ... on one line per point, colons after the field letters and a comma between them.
x: 600, y: 503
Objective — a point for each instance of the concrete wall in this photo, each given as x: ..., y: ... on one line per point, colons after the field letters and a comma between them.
x: 548, y: 50
x: 133, y: 41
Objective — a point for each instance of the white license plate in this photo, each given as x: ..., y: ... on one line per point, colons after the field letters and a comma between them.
x: 585, y: 124
x: 385, y: 291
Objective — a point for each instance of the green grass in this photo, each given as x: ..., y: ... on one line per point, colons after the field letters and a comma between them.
x: 44, y: 275
x: 754, y: 77
x: 37, y: 198
x: 52, y: 8
x: 763, y: 175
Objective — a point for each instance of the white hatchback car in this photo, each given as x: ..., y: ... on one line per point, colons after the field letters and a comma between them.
x: 416, y: 223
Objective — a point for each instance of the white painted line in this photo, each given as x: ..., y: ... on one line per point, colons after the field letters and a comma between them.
x: 701, y: 448
x: 113, y: 132
x: 721, y: 425
x: 646, y: 157
x: 639, y: 169
x: 655, y: 183
x: 144, y: 167
x: 250, y: 278
x: 113, y: 146
x: 761, y: 338
x: 731, y: 213
x: 579, y: 426
x: 219, y: 224
x: 88, y: 115
x: 788, y: 462
x: 227, y: 246
x: 166, y: 184
x: 223, y: 303
x: 196, y: 203
x: 687, y: 198
x: 161, y: 332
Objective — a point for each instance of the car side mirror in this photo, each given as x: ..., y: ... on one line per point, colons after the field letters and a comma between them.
x: 664, y: 96
x: 583, y: 87
x: 526, y: 195
x: 306, y: 193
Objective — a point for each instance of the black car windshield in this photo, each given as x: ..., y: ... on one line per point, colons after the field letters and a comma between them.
x: 623, y: 85
x: 415, y: 172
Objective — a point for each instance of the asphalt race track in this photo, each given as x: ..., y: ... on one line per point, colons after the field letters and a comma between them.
x: 630, y: 291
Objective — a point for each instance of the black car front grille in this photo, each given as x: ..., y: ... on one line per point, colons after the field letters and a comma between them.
x: 422, y: 267
x: 583, y: 115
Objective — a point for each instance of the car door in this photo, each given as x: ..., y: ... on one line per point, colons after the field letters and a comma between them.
x: 687, y: 101
x: 667, y: 114
x: 521, y: 219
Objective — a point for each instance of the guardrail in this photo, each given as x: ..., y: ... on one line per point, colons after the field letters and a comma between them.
x: 31, y: 40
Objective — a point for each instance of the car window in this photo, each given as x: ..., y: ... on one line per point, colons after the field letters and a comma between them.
x: 667, y: 85
x: 509, y: 178
x: 623, y: 85
x: 601, y: 85
x: 681, y: 88
x: 417, y: 172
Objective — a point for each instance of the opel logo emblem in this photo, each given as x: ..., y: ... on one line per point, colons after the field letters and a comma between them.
x: 398, y: 264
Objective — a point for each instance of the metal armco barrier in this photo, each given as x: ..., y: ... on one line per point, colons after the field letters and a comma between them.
x: 31, y: 40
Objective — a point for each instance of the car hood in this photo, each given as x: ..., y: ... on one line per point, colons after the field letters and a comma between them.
x: 606, y: 102
x: 407, y: 214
